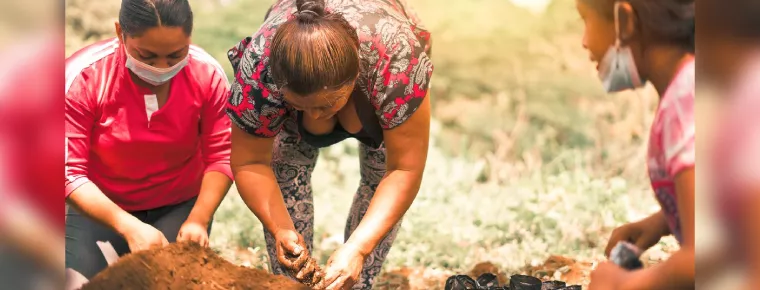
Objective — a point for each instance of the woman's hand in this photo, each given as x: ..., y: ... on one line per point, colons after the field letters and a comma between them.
x: 291, y: 250
x: 192, y: 231
x: 343, y: 269
x: 644, y: 234
x: 608, y: 276
x: 141, y: 236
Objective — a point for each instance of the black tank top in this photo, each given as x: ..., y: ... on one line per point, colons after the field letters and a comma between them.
x: 371, y: 133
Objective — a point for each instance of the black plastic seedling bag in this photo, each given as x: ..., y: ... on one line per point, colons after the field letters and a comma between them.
x: 626, y: 256
x: 523, y: 282
x: 461, y: 282
x: 552, y: 285
x: 488, y: 280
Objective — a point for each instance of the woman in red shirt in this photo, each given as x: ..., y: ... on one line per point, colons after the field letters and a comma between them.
x: 147, y: 139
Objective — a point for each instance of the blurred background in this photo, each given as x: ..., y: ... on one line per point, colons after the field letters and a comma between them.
x: 530, y: 159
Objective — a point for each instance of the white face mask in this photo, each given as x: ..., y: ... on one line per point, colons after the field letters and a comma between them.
x: 617, y: 69
x: 153, y: 75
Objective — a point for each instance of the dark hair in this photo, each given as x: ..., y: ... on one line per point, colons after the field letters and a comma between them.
x: 670, y: 21
x: 314, y: 50
x: 738, y: 18
x: 136, y: 16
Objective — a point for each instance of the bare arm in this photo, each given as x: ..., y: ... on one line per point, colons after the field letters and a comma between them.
x: 215, y: 148
x: 90, y: 201
x: 406, y: 154
x: 678, y: 271
x: 251, y: 165
x: 751, y: 233
x: 213, y: 189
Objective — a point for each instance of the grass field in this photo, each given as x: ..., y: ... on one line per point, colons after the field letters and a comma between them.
x: 529, y: 157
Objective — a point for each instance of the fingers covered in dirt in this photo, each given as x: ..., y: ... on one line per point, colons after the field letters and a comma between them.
x: 294, y: 256
x: 344, y: 268
x: 307, y: 270
x: 316, y: 279
x: 291, y: 261
x: 142, y: 236
x: 311, y: 275
x: 193, y: 232
x: 291, y: 249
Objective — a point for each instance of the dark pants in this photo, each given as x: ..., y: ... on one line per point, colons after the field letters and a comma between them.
x: 84, y: 256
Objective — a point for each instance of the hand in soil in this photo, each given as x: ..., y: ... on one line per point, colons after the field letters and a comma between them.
x: 294, y: 256
x: 142, y: 236
x: 643, y: 234
x: 343, y: 269
x: 193, y: 232
x: 291, y: 250
x: 310, y: 274
x: 608, y: 276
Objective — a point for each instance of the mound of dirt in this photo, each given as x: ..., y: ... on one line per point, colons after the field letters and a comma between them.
x: 184, y: 266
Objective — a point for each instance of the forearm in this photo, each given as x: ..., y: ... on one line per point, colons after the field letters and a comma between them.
x: 657, y: 221
x: 675, y: 273
x: 214, y: 187
x: 90, y: 201
x: 258, y: 187
x: 751, y: 236
x: 393, y: 197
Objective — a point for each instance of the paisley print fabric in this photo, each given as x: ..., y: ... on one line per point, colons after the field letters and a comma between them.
x: 293, y: 162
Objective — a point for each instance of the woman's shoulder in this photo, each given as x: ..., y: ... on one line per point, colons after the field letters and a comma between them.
x: 679, y: 97
x: 204, y: 67
x: 90, y: 59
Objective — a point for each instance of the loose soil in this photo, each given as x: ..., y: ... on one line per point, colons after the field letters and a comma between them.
x: 184, y: 266
x: 560, y: 268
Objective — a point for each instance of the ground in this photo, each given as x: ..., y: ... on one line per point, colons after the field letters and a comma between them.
x: 184, y: 266
x: 529, y: 160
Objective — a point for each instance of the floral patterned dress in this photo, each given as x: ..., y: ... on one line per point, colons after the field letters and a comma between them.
x: 394, y: 79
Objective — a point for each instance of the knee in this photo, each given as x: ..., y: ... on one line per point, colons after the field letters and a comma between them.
x: 88, y: 261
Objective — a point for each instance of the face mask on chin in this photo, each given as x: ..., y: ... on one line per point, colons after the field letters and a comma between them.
x: 617, y: 69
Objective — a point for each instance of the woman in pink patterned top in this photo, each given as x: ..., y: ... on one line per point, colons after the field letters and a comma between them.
x: 314, y: 74
x: 731, y: 61
x: 636, y: 41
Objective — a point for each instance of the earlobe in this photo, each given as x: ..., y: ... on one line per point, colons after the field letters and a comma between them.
x: 119, y: 35
x: 119, y: 32
x: 626, y: 19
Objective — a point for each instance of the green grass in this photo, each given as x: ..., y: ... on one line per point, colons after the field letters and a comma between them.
x: 528, y: 157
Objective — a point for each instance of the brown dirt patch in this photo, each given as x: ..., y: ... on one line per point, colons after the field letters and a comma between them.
x: 488, y: 267
x: 184, y: 266
x: 561, y: 268
x: 412, y: 279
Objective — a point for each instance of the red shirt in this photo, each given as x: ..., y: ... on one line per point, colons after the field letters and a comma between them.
x: 140, y: 161
x: 29, y: 164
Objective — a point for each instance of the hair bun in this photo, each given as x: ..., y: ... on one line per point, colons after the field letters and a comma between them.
x: 310, y: 10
